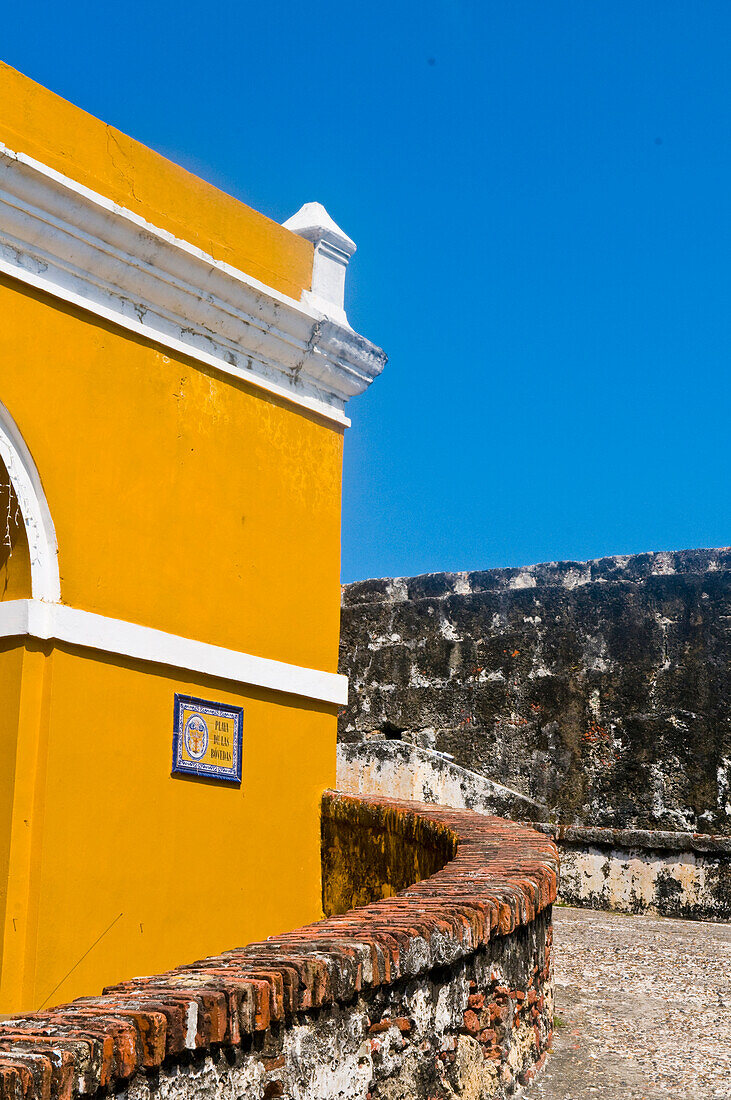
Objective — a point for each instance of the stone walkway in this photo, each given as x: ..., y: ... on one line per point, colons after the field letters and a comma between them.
x: 643, y: 1008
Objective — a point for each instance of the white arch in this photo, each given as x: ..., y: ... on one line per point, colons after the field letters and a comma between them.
x: 26, y: 481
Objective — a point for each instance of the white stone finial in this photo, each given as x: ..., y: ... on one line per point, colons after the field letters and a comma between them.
x: 333, y: 250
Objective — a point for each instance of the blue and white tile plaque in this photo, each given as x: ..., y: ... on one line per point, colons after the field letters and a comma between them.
x: 207, y: 739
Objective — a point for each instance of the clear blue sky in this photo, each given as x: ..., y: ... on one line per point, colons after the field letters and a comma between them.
x: 540, y: 192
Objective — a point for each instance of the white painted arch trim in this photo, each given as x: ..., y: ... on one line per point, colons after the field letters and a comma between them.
x: 66, y: 240
x: 41, y: 534
x: 57, y: 622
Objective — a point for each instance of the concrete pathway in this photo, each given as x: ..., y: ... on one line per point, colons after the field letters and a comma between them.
x: 643, y: 1009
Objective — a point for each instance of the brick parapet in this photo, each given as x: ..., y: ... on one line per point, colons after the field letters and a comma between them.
x: 502, y: 875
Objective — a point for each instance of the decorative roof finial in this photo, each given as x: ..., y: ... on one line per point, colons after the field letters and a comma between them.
x: 333, y: 249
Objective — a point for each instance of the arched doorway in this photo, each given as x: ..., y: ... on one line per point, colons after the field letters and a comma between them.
x: 15, y: 576
x: 28, y: 547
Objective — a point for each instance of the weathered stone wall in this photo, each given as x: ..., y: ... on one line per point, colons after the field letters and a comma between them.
x: 397, y: 769
x: 599, y: 689
x: 470, y: 1031
x: 645, y: 871
x: 674, y: 874
x: 442, y: 991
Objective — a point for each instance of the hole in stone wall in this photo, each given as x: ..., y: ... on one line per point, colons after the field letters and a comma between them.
x: 391, y: 732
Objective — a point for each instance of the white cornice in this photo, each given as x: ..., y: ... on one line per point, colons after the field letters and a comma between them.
x: 62, y: 238
x: 46, y: 621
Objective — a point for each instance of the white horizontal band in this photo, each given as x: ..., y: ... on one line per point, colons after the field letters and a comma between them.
x: 66, y: 240
x: 54, y: 621
x: 171, y: 342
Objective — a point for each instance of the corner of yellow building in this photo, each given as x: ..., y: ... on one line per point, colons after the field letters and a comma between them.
x: 174, y: 370
x: 54, y: 132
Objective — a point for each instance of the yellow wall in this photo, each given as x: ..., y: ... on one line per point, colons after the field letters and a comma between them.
x: 49, y: 129
x: 15, y: 583
x: 181, y: 499
x: 11, y: 669
x: 185, y: 501
x: 193, y: 867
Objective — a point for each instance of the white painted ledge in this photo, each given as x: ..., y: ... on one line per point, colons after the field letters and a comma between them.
x: 66, y: 240
x: 57, y: 622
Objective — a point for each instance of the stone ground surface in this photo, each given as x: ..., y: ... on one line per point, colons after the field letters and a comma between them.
x: 644, y: 1005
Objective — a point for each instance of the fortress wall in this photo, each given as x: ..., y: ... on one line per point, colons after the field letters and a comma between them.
x: 645, y: 871
x: 599, y: 690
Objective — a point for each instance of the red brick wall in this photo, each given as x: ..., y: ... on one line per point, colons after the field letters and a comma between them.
x: 478, y: 929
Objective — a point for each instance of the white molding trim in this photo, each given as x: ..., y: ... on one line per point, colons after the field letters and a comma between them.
x: 40, y: 532
x: 57, y: 622
x: 65, y: 239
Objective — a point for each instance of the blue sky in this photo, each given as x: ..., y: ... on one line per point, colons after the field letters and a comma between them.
x: 540, y: 194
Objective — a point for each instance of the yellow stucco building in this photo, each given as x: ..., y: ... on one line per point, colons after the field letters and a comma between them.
x: 174, y: 369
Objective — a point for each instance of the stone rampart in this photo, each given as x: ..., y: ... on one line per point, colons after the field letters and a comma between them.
x: 397, y: 769
x: 600, y: 690
x: 442, y: 990
x: 674, y: 874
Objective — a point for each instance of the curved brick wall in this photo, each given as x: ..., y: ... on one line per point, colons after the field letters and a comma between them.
x: 674, y: 874
x: 442, y: 990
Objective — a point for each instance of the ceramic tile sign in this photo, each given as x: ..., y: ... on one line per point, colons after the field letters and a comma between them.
x: 207, y: 739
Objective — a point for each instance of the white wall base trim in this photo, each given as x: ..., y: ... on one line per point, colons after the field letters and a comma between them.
x: 57, y: 622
